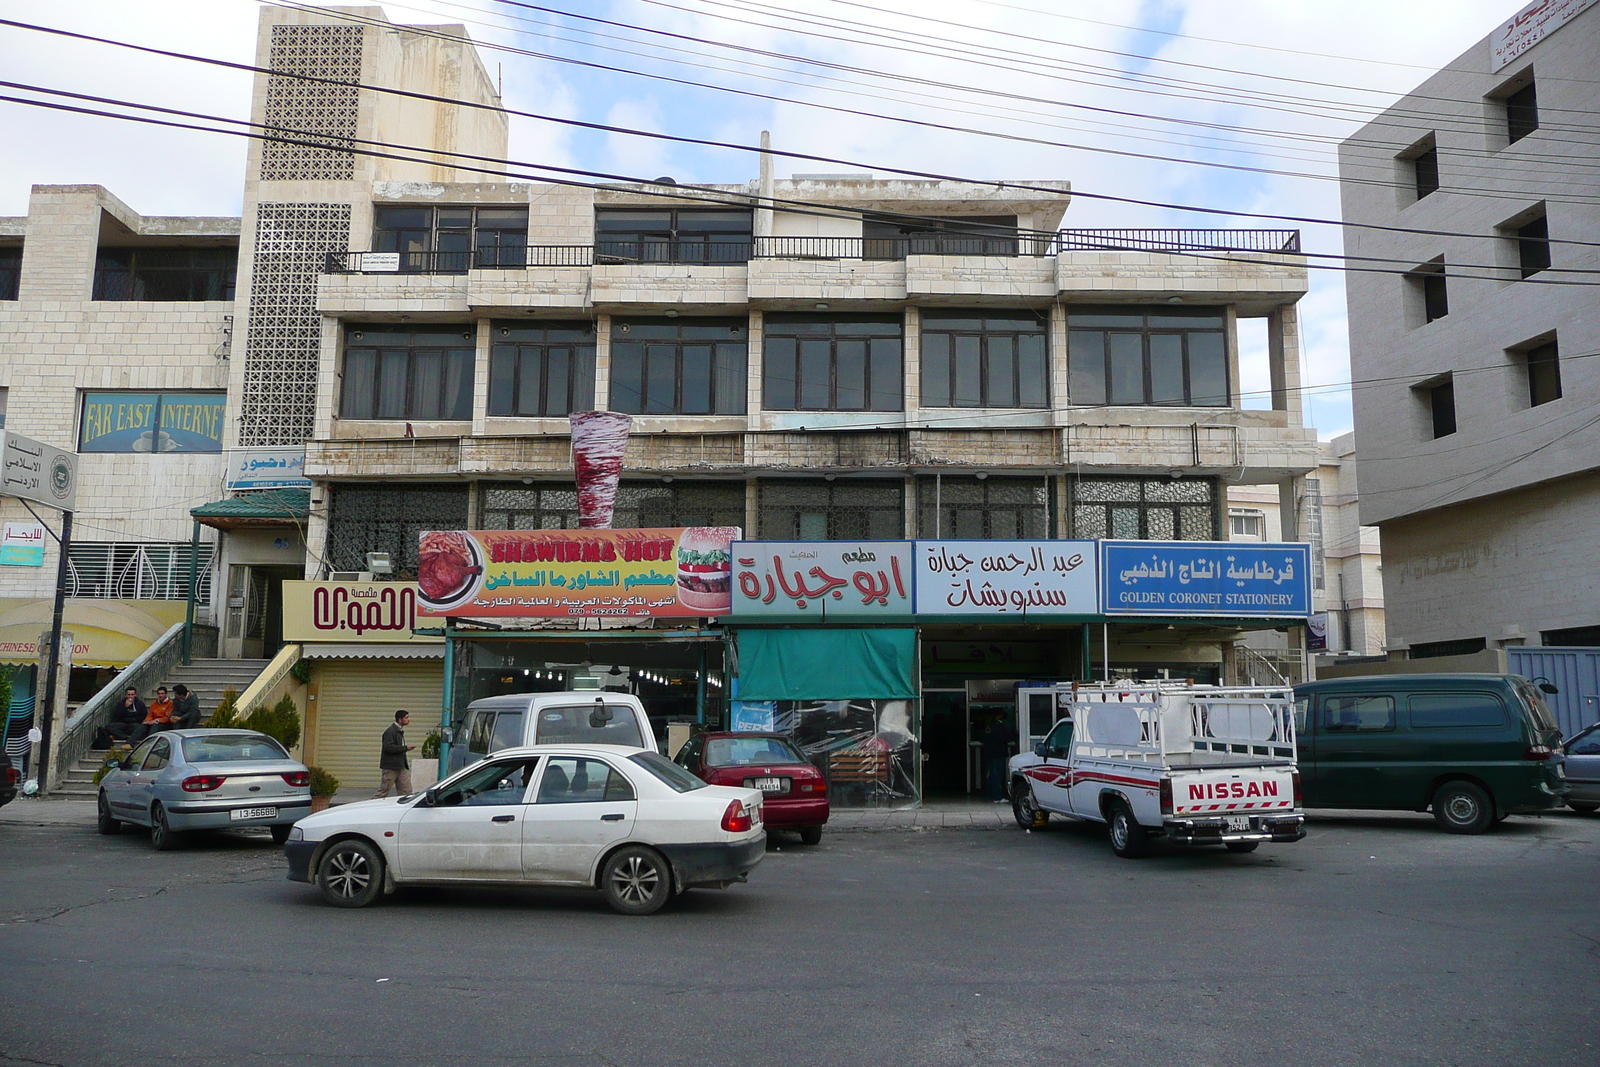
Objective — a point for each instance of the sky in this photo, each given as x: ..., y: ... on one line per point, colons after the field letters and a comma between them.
x: 1229, y: 104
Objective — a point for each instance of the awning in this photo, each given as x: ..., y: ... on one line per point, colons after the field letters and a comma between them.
x: 267, y: 507
x: 827, y: 664
x: 370, y: 650
x: 105, y: 633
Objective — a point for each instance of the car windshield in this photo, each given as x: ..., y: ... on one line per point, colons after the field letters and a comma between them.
x: 588, y: 724
x: 741, y: 751
x: 216, y: 748
x: 1543, y: 717
x: 675, y: 776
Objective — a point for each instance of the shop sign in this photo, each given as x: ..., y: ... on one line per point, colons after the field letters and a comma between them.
x: 821, y: 579
x: 1528, y: 27
x: 22, y: 544
x: 152, y: 422
x: 267, y: 468
x: 681, y: 573
x: 1201, y: 578
x: 1005, y: 578
x: 36, y: 471
x: 106, y: 633
x: 351, y: 611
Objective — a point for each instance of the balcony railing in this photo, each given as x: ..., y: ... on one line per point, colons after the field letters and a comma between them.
x: 1179, y: 241
x: 515, y: 257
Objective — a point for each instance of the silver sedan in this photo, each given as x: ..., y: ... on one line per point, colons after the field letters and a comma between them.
x: 205, y: 779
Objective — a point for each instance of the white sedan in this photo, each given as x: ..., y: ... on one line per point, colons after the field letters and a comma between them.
x: 626, y: 821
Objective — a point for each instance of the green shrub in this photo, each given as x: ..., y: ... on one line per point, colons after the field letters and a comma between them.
x: 430, y: 745
x: 227, y: 713
x: 301, y: 671
x: 323, y: 784
x: 280, y: 722
x: 106, y: 768
x: 5, y: 691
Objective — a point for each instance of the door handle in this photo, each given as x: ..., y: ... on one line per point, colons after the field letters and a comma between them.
x: 504, y: 818
x: 613, y: 818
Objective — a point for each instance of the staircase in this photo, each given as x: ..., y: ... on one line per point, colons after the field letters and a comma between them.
x: 78, y: 781
x: 207, y: 678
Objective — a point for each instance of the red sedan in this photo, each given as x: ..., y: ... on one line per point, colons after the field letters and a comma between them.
x: 795, y: 793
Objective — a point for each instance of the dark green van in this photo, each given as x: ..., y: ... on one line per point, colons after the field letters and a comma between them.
x: 1473, y: 747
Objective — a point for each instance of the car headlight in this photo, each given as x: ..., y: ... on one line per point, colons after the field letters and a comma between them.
x: 296, y: 834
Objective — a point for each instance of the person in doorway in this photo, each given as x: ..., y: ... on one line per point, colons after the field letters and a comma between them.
x: 996, y: 751
x: 392, y: 759
x: 185, y: 709
x: 127, y: 716
x: 156, y: 718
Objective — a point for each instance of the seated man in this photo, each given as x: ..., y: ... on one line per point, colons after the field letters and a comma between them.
x: 127, y: 716
x: 156, y: 718
x: 185, y: 709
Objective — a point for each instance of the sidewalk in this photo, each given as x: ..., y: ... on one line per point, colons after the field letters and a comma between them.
x: 939, y: 814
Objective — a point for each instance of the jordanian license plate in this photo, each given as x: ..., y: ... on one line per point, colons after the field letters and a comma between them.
x: 253, y: 813
x: 770, y: 785
x: 1238, y: 822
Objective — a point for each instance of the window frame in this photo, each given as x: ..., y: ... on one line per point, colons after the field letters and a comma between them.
x: 432, y: 259
x: 938, y: 514
x: 1326, y: 725
x: 725, y: 374
x: 1260, y: 518
x: 389, y: 517
x: 129, y: 282
x: 1440, y: 396
x: 1425, y: 171
x: 676, y: 241
x: 833, y: 511
x: 890, y: 331
x: 946, y: 395
x: 416, y: 393
x: 1533, y: 248
x: 1081, y: 367
x: 10, y: 271
x: 1541, y: 364
x: 1522, y: 111
x: 517, y: 343
x: 1144, y: 505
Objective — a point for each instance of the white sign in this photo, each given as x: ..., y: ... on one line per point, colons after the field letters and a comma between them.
x: 379, y: 262
x: 22, y: 544
x: 816, y: 580
x: 1530, y: 26
x: 267, y: 468
x: 1010, y: 578
x: 39, y: 472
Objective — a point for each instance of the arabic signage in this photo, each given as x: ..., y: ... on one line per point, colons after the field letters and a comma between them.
x: 351, y: 611
x: 152, y: 422
x: 22, y: 544
x: 36, y: 471
x: 577, y: 573
x: 267, y: 468
x: 1007, y: 578
x: 1530, y: 26
x: 821, y: 579
x: 1191, y: 578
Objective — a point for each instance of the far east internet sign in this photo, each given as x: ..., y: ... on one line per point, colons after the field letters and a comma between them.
x: 1205, y: 578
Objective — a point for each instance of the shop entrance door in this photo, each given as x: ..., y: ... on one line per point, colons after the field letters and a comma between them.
x: 944, y: 742
x: 991, y: 725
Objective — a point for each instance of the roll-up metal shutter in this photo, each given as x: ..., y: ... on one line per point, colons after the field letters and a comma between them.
x: 356, y: 702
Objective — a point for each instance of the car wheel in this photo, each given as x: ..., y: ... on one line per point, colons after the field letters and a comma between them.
x: 1241, y: 846
x: 280, y: 834
x: 1583, y: 807
x: 105, y: 823
x: 810, y: 835
x: 636, y: 880
x: 1128, y: 838
x: 163, y: 838
x: 1024, y: 808
x: 350, y: 874
x: 1463, y: 808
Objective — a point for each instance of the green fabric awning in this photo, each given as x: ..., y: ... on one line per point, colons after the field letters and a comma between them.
x: 827, y: 664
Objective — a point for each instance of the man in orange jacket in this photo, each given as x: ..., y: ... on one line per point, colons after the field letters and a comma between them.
x: 158, y: 716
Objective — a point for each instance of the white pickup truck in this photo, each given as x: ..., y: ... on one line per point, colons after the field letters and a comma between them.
x: 1201, y: 765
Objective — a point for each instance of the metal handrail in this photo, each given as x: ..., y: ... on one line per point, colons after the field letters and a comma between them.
x: 1284, y: 241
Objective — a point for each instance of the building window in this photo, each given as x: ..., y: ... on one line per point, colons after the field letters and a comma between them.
x: 679, y: 366
x: 961, y: 235
x: 389, y: 518
x: 1311, y: 529
x: 399, y: 373
x: 10, y: 271
x: 157, y: 273
x: 628, y: 235
x: 640, y: 506
x: 1533, y: 246
x: 1428, y: 290
x: 1145, y: 509
x: 1006, y: 509
x: 1131, y: 355
x: 832, y: 363
x: 1544, y: 373
x: 118, y: 570
x: 1577, y: 636
x: 1247, y: 524
x: 1440, y: 398
x: 1433, y: 649
x: 4, y: 393
x: 1522, y: 113
x: 981, y: 359
x: 1425, y: 171
x: 832, y: 511
x: 541, y: 368
x: 152, y: 422
x: 452, y: 239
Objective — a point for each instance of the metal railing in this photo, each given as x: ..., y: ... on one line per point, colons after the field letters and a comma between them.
x: 892, y: 248
x: 517, y: 257
x: 1179, y: 241
x: 727, y: 251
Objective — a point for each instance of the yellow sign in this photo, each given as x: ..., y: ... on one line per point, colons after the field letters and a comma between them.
x: 106, y: 633
x: 352, y: 611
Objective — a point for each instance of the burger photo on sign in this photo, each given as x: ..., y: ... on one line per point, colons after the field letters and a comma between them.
x: 705, y: 568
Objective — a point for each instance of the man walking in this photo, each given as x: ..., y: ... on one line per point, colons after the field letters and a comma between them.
x: 393, y: 761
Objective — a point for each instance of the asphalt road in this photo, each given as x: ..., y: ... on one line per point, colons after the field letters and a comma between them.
x: 1374, y: 941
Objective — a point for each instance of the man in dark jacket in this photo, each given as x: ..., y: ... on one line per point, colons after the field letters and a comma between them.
x: 393, y: 761
x: 127, y: 716
x: 185, y: 709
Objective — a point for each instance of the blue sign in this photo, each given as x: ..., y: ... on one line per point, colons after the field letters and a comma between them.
x: 1201, y: 578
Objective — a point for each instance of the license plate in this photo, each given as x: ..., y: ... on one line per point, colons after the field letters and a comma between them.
x: 1238, y: 822
x: 253, y: 813
x: 770, y: 785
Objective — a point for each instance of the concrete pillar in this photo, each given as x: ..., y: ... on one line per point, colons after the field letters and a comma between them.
x: 602, y: 362
x: 1283, y: 358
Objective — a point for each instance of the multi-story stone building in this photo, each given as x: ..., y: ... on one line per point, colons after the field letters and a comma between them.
x: 1470, y: 206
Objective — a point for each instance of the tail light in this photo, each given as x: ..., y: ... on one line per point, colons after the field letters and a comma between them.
x: 1538, y: 752
x: 203, y: 783
x: 818, y: 785
x: 1166, y: 796
x: 298, y: 778
x: 1295, y: 777
x: 735, y: 820
x: 13, y: 776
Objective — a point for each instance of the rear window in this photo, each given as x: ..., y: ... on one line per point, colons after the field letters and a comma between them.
x: 1357, y: 714
x: 583, y: 724
x: 676, y: 778
x: 1442, y: 711
x: 742, y: 751
x: 216, y: 748
x: 1533, y: 699
x: 507, y: 731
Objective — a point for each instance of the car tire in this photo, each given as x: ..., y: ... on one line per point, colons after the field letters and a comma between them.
x: 350, y: 874
x: 636, y: 880
x: 810, y: 835
x: 1241, y: 846
x: 1024, y: 808
x: 103, y: 821
x: 1128, y: 838
x: 1463, y: 808
x: 163, y: 838
x: 280, y: 834
x: 1583, y: 807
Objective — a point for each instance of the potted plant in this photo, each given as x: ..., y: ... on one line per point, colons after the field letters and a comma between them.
x: 425, y: 768
x: 323, y: 786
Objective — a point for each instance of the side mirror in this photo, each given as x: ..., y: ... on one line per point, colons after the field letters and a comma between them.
x: 1038, y: 748
x: 429, y: 798
x: 1548, y: 688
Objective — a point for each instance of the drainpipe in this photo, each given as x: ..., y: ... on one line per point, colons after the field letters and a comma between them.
x: 700, y: 690
x: 194, y: 582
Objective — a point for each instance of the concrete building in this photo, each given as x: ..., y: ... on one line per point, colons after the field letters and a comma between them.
x: 1473, y: 360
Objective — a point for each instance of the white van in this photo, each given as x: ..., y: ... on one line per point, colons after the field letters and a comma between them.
x: 573, y: 718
